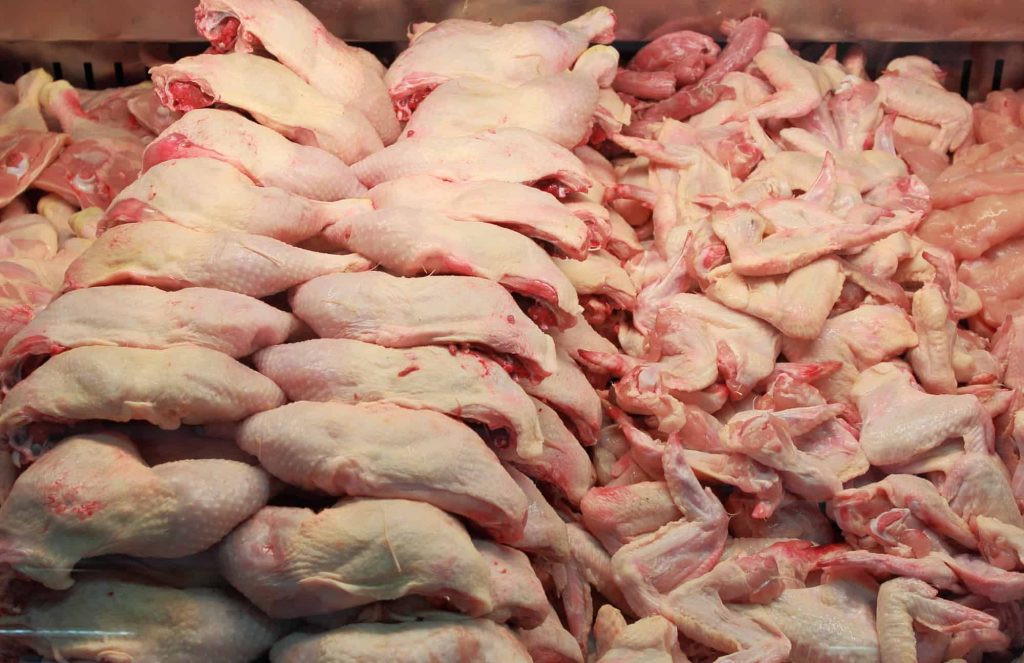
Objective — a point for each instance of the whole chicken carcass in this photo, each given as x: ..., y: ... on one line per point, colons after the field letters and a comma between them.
x: 505, y: 155
x: 145, y: 317
x: 210, y: 195
x: 107, y: 619
x: 462, y: 385
x: 179, y: 385
x: 462, y: 641
x: 410, y: 242
x: 401, y: 312
x: 273, y: 95
x: 382, y: 450
x: 294, y: 36
x: 511, y: 53
x: 292, y: 562
x: 265, y: 156
x: 169, y: 256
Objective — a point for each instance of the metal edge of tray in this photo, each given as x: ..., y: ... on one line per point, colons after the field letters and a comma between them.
x: 388, y: 20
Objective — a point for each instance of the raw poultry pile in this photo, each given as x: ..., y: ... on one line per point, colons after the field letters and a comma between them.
x: 512, y: 353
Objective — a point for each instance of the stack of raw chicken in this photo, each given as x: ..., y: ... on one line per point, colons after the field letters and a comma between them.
x: 81, y: 146
x: 508, y: 353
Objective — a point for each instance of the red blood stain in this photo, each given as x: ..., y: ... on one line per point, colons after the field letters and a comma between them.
x: 188, y: 96
x: 412, y: 368
x: 224, y: 35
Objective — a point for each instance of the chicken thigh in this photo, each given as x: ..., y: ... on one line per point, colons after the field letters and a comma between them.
x: 382, y: 450
x: 293, y: 562
x: 145, y: 317
x: 525, y: 157
x: 265, y: 156
x: 293, y: 35
x: 27, y: 148
x: 106, y: 619
x: 530, y: 211
x: 559, y: 106
x: 170, y: 256
x: 273, y: 95
x: 452, y: 641
x: 401, y: 312
x: 179, y: 385
x: 210, y: 195
x: 64, y: 507
x: 462, y: 385
x: 409, y: 242
x: 509, y: 54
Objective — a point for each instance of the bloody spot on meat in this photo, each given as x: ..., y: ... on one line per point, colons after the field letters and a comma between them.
x: 187, y: 96
x: 224, y: 34
x: 412, y: 368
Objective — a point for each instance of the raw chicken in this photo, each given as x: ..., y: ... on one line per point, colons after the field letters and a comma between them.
x: 401, y: 312
x: 170, y: 256
x: 145, y: 317
x: 570, y: 229
x: 382, y: 450
x: 526, y: 158
x: 294, y: 36
x: 463, y: 385
x: 118, y: 620
x: 211, y: 195
x: 26, y: 146
x: 462, y: 641
x: 509, y: 54
x: 559, y: 106
x: 264, y: 155
x: 292, y: 562
x: 273, y: 95
x: 902, y: 423
x: 65, y: 507
x: 410, y: 242
x: 100, y: 161
x: 179, y: 385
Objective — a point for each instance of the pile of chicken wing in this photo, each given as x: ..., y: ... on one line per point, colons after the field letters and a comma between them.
x: 511, y: 351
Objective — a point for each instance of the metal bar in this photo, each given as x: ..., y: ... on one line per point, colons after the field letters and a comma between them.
x: 387, y: 20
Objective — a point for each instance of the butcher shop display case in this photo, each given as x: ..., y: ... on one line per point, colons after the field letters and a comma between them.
x: 511, y: 330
